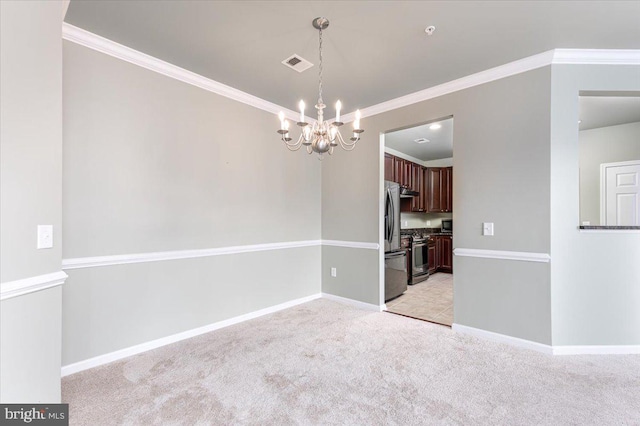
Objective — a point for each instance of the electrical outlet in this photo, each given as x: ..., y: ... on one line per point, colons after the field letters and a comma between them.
x: 428, y: 223
x: 406, y: 223
x: 45, y: 236
x: 334, y: 272
x: 487, y: 228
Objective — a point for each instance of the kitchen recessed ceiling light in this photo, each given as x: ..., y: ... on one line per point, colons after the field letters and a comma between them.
x: 421, y: 140
x: 435, y: 126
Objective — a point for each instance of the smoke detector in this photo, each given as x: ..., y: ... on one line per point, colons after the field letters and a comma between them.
x: 421, y: 140
x: 297, y: 63
x: 430, y: 29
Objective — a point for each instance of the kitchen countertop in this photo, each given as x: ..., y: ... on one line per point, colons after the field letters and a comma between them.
x: 620, y: 228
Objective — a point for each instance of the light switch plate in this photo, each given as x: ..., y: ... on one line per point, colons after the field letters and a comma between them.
x: 487, y: 228
x: 45, y: 236
x: 334, y: 272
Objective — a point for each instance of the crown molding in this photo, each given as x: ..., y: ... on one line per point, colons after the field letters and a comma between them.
x: 596, y: 56
x: 557, y: 56
x: 108, y: 47
x: 30, y: 285
x: 550, y: 57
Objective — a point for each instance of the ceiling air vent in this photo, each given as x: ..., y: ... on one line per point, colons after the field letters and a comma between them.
x: 297, y: 63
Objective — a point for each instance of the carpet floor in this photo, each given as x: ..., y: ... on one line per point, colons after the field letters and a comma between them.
x: 326, y: 363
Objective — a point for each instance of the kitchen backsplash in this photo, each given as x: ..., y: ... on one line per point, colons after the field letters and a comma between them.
x: 419, y: 220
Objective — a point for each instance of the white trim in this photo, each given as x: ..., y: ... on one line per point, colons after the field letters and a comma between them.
x: 502, y: 338
x: 143, y: 347
x: 501, y: 254
x: 111, y: 48
x: 597, y: 350
x: 556, y: 56
x: 123, y: 259
x: 351, y: 244
x: 596, y: 56
x: 355, y: 303
x: 24, y: 286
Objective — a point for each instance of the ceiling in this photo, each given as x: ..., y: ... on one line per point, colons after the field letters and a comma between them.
x: 440, y: 143
x: 373, y: 51
x: 604, y: 111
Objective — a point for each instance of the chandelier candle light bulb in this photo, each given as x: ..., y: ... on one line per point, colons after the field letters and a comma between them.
x: 320, y: 136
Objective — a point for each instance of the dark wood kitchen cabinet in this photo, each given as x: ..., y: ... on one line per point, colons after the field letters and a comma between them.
x: 389, y: 168
x: 446, y: 253
x: 434, y: 184
x: 439, y: 189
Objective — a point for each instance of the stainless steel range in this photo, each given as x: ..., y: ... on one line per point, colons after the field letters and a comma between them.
x: 419, y: 259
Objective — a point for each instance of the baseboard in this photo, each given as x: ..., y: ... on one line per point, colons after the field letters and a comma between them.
x: 143, y: 347
x: 502, y: 338
x: 597, y: 350
x: 355, y: 303
x: 547, y: 349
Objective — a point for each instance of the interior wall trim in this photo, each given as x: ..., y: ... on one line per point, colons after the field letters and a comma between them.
x: 355, y: 303
x: 550, y: 57
x: 24, y: 286
x: 556, y: 56
x: 351, y: 244
x: 548, y: 349
x: 501, y: 254
x: 597, y: 350
x: 93, y: 41
x: 123, y: 259
x: 143, y: 347
x: 502, y: 338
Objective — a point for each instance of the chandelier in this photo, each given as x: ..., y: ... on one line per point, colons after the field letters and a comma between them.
x: 321, y: 136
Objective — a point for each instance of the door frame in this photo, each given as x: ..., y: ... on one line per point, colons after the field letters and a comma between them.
x: 603, y: 185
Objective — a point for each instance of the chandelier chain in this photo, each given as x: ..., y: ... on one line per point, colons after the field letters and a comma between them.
x: 320, y: 72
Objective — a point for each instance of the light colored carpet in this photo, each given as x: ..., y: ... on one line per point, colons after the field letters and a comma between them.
x: 326, y: 363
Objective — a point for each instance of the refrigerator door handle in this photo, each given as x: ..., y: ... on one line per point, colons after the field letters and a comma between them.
x: 393, y: 217
x: 389, y: 211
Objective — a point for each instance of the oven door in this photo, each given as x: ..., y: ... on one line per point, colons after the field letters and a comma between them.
x: 420, y: 260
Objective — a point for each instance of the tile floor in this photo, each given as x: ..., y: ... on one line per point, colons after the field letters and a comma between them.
x: 430, y: 300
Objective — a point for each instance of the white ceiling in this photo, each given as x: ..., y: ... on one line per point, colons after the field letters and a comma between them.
x: 605, y: 111
x: 440, y: 143
x: 374, y: 51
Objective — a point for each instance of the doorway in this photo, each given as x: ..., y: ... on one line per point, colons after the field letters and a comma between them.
x: 418, y: 161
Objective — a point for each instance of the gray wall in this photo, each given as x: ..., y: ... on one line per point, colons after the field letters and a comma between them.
x: 501, y: 175
x: 597, y: 146
x: 595, y: 276
x: 153, y: 164
x: 30, y: 195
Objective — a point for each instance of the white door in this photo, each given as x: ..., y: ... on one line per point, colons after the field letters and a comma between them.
x: 621, y: 194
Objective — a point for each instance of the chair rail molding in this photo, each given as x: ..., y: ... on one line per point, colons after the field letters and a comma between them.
x: 24, y: 286
x: 122, y: 259
x: 502, y: 254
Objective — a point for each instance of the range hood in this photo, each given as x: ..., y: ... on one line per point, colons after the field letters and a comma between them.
x: 408, y: 193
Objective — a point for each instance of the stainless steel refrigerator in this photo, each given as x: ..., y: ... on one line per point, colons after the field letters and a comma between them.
x: 395, y: 258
